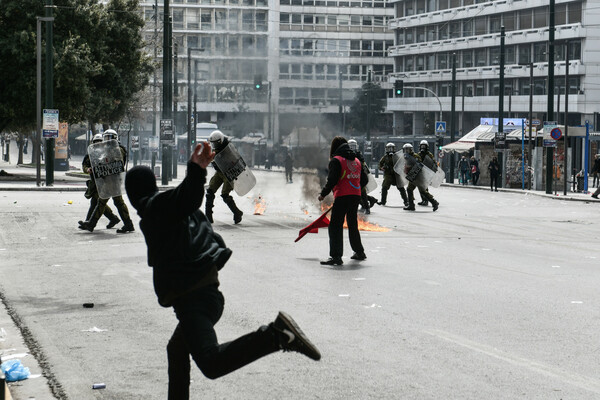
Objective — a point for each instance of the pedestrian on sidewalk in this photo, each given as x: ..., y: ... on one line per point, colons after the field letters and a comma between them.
x: 596, y: 171
x: 474, y: 170
x: 494, y: 170
x: 289, y: 167
x: 463, y: 167
x: 345, y: 178
x: 186, y: 255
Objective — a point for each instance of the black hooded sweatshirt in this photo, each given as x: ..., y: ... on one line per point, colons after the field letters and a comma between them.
x: 335, y: 169
x: 183, y: 249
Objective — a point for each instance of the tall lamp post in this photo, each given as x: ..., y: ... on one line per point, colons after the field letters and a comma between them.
x: 38, y: 179
x: 191, y: 124
x: 49, y: 91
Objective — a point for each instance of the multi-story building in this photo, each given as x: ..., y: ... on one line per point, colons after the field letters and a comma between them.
x: 429, y: 33
x: 303, y: 52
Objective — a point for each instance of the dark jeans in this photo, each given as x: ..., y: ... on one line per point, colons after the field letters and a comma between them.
x: 494, y: 181
x: 198, y: 312
x: 463, y: 176
x: 344, y: 207
x: 475, y: 177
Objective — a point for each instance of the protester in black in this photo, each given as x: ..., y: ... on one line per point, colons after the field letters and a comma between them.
x: 345, y: 179
x: 186, y: 255
x: 494, y: 169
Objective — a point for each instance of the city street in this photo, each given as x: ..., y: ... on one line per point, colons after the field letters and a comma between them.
x: 493, y: 296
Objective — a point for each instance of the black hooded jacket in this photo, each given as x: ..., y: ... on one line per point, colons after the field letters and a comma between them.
x: 335, y: 169
x: 183, y: 249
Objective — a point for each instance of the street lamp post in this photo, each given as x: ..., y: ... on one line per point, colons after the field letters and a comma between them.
x: 191, y: 124
x: 38, y: 179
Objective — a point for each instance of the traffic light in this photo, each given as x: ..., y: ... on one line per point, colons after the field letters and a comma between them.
x: 398, y: 87
x: 257, y: 82
x: 440, y: 143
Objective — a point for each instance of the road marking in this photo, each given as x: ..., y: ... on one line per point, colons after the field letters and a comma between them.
x: 571, y: 378
x: 576, y: 302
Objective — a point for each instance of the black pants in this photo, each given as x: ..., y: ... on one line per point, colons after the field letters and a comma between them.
x: 344, y: 207
x: 494, y: 182
x: 198, y: 312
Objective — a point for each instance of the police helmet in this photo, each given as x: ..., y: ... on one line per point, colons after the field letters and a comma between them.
x: 353, y: 145
x: 216, y: 137
x: 407, y: 148
x: 110, y: 134
x: 97, y: 138
x: 423, y: 145
x: 390, y: 148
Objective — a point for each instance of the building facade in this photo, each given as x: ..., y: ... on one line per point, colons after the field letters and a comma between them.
x: 302, y: 52
x: 429, y: 34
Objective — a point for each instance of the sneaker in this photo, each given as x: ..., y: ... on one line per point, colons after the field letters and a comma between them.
x: 292, y: 337
x: 423, y: 203
x: 595, y: 196
x: 436, y: 205
x: 332, y: 261
x: 237, y: 217
x: 359, y: 256
x: 113, y: 222
x: 410, y: 207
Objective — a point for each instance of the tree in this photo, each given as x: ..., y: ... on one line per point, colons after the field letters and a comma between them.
x: 99, y: 64
x: 368, y: 103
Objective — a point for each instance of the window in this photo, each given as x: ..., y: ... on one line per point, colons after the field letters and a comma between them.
x: 525, y: 19
x: 524, y: 53
x: 261, y: 21
x: 378, y: 48
x: 320, y: 72
x: 539, y: 52
x: 296, y: 19
x: 560, y: 15
x: 495, y: 23
x: 308, y: 19
x: 206, y: 20
x: 510, y: 57
x: 355, y: 48
x: 234, y: 20
x: 234, y: 46
x: 480, y: 26
x: 192, y: 41
x: 467, y: 60
x: 178, y: 18
x: 307, y: 71
x: 367, y: 48
x: 479, y: 88
x: 332, y: 20
x: 509, y: 21
x: 221, y: 19
x: 540, y: 17
x: 480, y: 57
x: 247, y: 21
x: 574, y: 13
x: 468, y: 28
x: 367, y: 20
x: 539, y: 86
x: 493, y: 87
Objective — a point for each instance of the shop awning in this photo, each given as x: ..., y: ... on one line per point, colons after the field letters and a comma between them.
x: 460, y: 147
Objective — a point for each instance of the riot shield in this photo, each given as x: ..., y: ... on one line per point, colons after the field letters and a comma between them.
x: 108, y: 168
x: 237, y: 173
x: 371, y: 185
x: 400, y: 169
x: 434, y: 174
x: 411, y: 169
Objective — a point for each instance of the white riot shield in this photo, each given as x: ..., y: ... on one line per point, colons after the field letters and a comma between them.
x: 237, y: 173
x: 434, y: 174
x: 371, y: 185
x: 412, y: 170
x: 108, y: 168
x: 399, y: 169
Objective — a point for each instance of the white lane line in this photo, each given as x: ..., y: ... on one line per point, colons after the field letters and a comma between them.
x: 571, y: 378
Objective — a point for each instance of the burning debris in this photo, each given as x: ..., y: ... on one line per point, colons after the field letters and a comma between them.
x: 260, y: 205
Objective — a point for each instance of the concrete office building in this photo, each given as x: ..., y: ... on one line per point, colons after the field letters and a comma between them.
x: 427, y: 33
x: 299, y: 48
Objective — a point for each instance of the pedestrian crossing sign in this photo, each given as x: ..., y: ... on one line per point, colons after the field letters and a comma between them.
x: 440, y: 126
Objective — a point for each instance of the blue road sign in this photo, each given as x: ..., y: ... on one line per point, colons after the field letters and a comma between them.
x: 440, y: 126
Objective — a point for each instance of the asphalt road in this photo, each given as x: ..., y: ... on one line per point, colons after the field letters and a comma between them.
x: 494, y: 296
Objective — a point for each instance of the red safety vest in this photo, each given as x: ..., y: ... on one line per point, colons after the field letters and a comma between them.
x: 349, y: 182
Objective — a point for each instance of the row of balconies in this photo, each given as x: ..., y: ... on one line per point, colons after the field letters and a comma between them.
x: 562, y: 32
x: 490, y: 72
x: 468, y: 12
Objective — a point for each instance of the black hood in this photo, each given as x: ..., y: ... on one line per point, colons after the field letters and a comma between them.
x: 140, y: 182
x: 345, y: 151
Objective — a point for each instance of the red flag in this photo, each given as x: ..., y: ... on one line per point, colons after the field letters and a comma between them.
x: 320, y: 222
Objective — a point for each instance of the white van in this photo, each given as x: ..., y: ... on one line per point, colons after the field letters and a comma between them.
x: 203, y: 131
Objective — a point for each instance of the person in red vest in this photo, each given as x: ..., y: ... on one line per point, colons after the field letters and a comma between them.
x: 345, y: 179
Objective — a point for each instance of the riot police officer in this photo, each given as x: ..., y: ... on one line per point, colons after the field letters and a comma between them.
x: 408, y: 149
x: 118, y: 201
x: 426, y: 155
x: 92, y: 191
x: 218, y: 141
x: 386, y: 164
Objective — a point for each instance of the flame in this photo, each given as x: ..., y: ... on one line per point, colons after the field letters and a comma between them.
x: 260, y: 205
x: 305, y: 212
x: 363, y: 223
